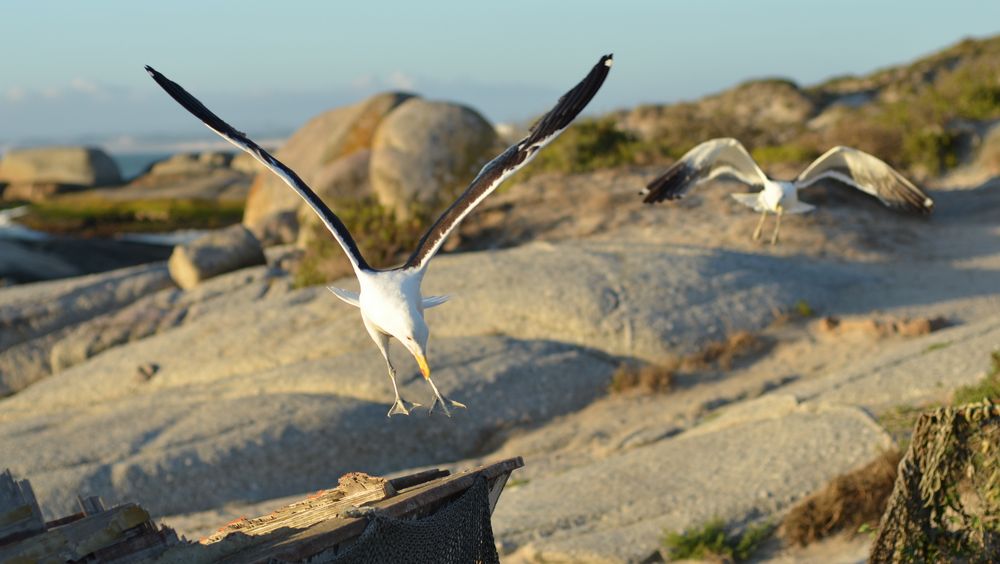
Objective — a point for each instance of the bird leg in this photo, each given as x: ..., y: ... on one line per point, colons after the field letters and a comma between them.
x: 760, y: 225
x: 399, y: 407
x: 777, y: 226
x: 438, y: 398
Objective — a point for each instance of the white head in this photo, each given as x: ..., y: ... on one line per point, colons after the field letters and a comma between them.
x: 411, y: 330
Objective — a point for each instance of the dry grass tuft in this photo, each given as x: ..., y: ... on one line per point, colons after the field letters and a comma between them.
x: 645, y: 379
x: 723, y: 353
x: 660, y: 378
x: 881, y: 327
x: 845, y: 504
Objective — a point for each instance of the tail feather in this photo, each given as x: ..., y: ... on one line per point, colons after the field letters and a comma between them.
x: 800, y: 207
x: 434, y: 301
x: 751, y: 200
x: 346, y: 296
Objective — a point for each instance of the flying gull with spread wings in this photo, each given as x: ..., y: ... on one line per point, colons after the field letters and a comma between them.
x: 390, y: 301
x: 726, y: 156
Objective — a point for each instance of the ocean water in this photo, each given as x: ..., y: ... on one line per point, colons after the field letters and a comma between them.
x: 132, y: 164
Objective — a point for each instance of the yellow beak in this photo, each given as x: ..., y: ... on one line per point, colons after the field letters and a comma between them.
x: 424, y: 369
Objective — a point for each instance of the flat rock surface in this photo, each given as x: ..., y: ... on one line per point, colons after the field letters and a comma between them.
x: 518, y: 345
x: 618, y: 509
x: 175, y: 446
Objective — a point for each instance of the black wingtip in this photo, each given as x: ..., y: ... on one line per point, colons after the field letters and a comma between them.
x: 669, y: 185
x: 571, y: 104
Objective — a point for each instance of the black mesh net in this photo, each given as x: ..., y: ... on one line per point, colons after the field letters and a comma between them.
x: 458, y: 532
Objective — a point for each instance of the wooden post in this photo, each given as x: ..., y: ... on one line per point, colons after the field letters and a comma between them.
x: 20, y: 516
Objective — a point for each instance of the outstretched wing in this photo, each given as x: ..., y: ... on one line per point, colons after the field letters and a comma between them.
x: 706, y: 161
x: 868, y: 174
x: 240, y: 140
x: 510, y: 161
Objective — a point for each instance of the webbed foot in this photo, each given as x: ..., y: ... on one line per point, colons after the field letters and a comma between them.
x: 401, y: 407
x: 444, y: 403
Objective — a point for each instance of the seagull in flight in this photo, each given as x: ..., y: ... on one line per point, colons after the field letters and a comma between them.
x: 726, y: 156
x: 390, y: 301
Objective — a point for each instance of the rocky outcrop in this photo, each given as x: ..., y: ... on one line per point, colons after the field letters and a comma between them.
x: 200, y: 176
x: 216, y: 253
x: 762, y: 102
x: 425, y: 153
x: 312, y: 151
x: 250, y: 370
x: 54, y: 167
x: 191, y: 164
x: 676, y: 483
x: 34, y: 317
x: 411, y: 154
x: 246, y: 164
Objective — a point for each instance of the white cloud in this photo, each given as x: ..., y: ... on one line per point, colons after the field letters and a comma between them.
x: 16, y: 94
x: 85, y: 86
x: 397, y: 80
x: 401, y: 80
x: 51, y: 93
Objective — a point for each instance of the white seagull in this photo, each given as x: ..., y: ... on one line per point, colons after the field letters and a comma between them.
x: 390, y: 300
x: 726, y: 156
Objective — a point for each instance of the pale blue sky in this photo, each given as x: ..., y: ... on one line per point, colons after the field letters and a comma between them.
x: 71, y: 69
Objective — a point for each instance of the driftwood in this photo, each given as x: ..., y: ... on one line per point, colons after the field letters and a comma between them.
x: 323, y: 524
x: 330, y: 520
x: 20, y: 516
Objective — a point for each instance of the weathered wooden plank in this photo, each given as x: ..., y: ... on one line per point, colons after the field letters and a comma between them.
x: 417, y: 478
x: 354, y: 489
x: 496, y: 488
x: 90, y: 505
x: 20, y: 516
x: 331, y: 518
x: 415, y: 502
x: 141, y: 544
x: 79, y: 539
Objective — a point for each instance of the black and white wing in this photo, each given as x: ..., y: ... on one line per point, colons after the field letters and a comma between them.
x: 510, y: 161
x: 868, y: 174
x: 240, y: 140
x: 706, y: 161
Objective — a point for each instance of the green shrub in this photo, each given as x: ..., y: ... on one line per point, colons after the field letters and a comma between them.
x: 711, y: 540
x: 587, y: 145
x: 101, y: 217
x: 786, y: 153
x: 383, y: 240
x: 988, y: 388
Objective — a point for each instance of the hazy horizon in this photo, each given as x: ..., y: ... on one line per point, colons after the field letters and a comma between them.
x: 267, y: 68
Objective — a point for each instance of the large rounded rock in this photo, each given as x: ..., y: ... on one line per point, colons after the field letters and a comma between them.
x: 312, y: 151
x: 347, y: 177
x: 427, y: 152
x: 219, y: 252
x: 77, y: 166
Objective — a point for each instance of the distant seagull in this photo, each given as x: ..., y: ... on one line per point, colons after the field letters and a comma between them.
x: 727, y: 156
x: 390, y: 300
